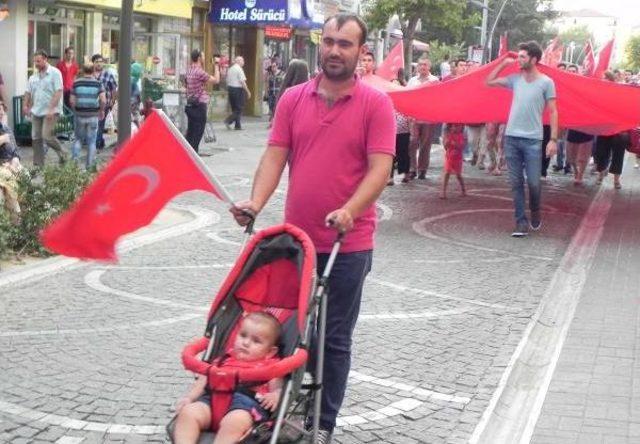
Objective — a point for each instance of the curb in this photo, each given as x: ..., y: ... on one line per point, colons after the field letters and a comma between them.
x: 516, y: 404
x: 201, y: 218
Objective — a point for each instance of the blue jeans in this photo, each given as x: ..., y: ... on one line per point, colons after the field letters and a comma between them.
x: 86, y: 130
x: 524, y: 156
x: 345, y: 293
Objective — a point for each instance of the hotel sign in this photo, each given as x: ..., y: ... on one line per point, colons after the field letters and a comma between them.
x: 248, y: 11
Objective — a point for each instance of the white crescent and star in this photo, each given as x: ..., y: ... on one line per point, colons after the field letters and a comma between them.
x: 148, y: 173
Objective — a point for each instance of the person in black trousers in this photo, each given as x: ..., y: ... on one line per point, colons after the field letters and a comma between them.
x: 609, y: 157
x: 238, y: 93
x: 196, y: 80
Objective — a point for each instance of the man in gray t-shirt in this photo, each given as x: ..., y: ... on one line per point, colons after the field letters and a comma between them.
x: 532, y: 91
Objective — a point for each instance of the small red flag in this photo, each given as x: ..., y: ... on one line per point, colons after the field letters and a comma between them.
x: 388, y: 69
x: 604, y: 59
x: 589, y: 62
x: 504, y: 47
x: 153, y: 167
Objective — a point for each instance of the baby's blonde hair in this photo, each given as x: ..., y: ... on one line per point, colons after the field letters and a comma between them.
x: 274, y: 324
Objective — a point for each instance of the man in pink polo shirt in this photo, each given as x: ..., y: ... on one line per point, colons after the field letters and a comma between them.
x: 338, y: 136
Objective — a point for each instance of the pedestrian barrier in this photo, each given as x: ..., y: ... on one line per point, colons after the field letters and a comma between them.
x: 22, y: 125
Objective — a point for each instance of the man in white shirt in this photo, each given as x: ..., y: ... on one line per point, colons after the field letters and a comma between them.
x: 421, y: 132
x: 238, y: 92
x: 445, y: 67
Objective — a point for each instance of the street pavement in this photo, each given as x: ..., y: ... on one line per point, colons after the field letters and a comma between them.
x: 91, y: 353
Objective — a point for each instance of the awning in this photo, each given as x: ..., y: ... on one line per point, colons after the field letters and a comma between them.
x: 296, y: 13
x: 420, y: 46
x: 171, y: 8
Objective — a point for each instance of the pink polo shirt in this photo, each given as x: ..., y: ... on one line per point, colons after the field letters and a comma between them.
x: 328, y: 149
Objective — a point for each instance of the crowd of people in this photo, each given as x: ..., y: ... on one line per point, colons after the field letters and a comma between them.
x: 484, y: 146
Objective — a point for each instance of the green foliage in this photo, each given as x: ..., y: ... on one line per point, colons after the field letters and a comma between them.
x: 43, y: 195
x: 632, y: 53
x: 442, y: 20
x: 524, y: 20
x: 438, y: 50
x: 579, y: 35
x: 6, y: 228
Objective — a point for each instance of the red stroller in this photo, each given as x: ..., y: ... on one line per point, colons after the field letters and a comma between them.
x: 274, y: 273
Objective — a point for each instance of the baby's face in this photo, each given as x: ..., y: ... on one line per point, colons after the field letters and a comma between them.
x: 254, y: 341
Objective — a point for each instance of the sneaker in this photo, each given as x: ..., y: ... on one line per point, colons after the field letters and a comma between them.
x: 536, y: 221
x: 422, y: 175
x: 557, y: 168
x: 324, y: 437
x: 521, y: 230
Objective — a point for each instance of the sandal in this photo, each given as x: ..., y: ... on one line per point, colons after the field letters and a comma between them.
x: 617, y: 185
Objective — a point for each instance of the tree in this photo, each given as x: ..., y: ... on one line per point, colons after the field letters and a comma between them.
x: 523, y: 20
x: 632, y: 53
x: 445, y: 20
x: 579, y: 35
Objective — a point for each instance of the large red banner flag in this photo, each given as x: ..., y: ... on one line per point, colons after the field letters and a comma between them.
x: 504, y: 45
x: 388, y: 69
x: 604, y: 59
x: 153, y: 167
x: 589, y: 62
x: 591, y: 105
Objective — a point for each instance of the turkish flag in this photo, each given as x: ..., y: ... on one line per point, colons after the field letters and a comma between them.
x: 552, y: 54
x: 388, y: 69
x: 589, y: 62
x: 590, y: 105
x: 153, y: 167
x: 504, y: 47
x: 604, y: 59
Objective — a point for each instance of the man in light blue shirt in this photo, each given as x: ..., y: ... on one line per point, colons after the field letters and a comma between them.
x: 532, y: 92
x: 43, y: 102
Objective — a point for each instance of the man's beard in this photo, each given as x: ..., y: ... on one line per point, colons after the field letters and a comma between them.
x: 344, y: 73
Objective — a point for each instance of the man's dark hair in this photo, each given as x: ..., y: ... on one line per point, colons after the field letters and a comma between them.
x: 41, y: 53
x: 343, y: 18
x: 573, y: 66
x: 195, y: 55
x: 533, y: 49
x: 561, y: 64
x: 87, y: 68
x: 96, y: 57
x: 446, y: 56
x: 68, y: 48
x: 369, y: 53
x: 458, y: 62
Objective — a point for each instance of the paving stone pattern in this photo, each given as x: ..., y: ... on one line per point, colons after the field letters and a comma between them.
x: 85, y: 358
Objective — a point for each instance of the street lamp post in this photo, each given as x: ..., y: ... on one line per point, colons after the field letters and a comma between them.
x: 485, y: 22
x: 493, y: 27
x: 124, y: 67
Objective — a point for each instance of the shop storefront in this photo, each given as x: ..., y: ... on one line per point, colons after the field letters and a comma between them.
x: 165, y: 32
x: 262, y: 30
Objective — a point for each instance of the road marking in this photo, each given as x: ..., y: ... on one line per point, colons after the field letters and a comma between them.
x: 396, y: 408
x: 163, y: 267
x: 393, y: 409
x: 515, y: 406
x: 411, y: 315
x: 215, y: 236
x: 78, y: 424
x: 93, y: 280
x: 420, y: 227
x: 387, y: 212
x: 419, y: 291
x: 76, y: 331
x: 203, y: 218
x: 388, y: 382
x: 69, y: 440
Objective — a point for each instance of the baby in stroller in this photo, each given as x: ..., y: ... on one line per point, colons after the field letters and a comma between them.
x: 256, y: 343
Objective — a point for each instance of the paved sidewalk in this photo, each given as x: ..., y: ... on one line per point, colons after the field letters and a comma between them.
x: 594, y: 395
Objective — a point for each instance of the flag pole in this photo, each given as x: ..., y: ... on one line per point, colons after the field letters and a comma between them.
x: 194, y: 156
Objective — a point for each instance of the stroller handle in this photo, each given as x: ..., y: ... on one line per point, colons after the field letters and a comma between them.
x: 220, y: 375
